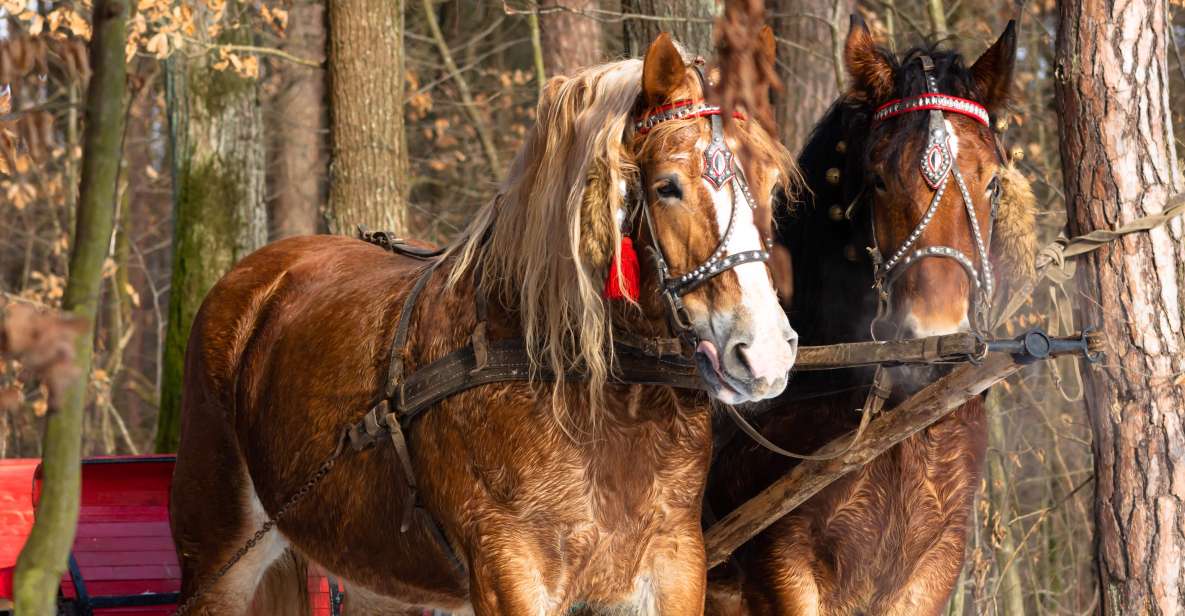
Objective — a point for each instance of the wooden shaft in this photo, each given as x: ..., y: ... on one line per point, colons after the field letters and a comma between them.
x: 808, y: 478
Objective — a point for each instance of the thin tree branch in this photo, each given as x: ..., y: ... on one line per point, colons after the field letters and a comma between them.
x: 256, y: 50
x: 479, y: 124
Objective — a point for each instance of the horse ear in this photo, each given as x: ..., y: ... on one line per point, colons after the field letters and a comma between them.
x: 663, y: 70
x: 869, y: 68
x: 992, y: 72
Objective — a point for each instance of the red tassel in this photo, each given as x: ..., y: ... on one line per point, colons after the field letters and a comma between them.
x: 628, y: 275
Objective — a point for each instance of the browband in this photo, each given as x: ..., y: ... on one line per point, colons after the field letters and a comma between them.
x: 932, y: 100
x: 676, y: 111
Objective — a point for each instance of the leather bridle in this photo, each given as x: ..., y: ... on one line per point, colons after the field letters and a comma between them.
x: 720, y: 168
x: 937, y: 166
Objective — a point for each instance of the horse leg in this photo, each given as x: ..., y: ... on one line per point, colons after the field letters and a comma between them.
x: 203, y: 555
x: 786, y: 580
x: 509, y: 583
x: 678, y: 576
x: 362, y: 602
x: 933, y: 579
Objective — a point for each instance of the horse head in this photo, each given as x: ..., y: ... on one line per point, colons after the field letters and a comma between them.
x: 630, y: 154
x: 933, y: 176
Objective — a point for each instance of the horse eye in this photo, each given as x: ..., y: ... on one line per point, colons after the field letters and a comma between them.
x: 668, y: 188
x: 878, y: 183
x: 993, y: 188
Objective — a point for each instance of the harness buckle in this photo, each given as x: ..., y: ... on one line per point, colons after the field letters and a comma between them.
x: 366, y: 432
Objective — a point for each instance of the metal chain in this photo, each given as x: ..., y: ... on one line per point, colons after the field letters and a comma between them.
x: 267, y: 526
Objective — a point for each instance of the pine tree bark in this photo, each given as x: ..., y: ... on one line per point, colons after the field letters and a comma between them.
x: 1119, y: 164
x: 690, y: 22
x: 42, y: 562
x: 570, y: 40
x: 806, y: 68
x: 220, y: 215
x: 299, y: 123
x: 368, y: 165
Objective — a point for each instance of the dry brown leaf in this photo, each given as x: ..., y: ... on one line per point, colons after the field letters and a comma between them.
x: 44, y: 341
x: 11, y: 398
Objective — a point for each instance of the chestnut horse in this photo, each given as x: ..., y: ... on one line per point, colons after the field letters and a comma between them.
x: 578, y: 495
x: 931, y: 242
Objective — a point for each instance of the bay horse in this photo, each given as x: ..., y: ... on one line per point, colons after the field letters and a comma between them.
x: 536, y: 498
x: 881, y: 247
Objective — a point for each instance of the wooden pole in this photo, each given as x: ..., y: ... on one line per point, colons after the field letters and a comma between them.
x: 808, y: 478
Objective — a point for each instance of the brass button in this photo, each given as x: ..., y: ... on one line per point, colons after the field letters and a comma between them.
x: 836, y: 213
x: 833, y: 176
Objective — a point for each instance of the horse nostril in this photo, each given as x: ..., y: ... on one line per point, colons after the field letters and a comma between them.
x: 739, y: 350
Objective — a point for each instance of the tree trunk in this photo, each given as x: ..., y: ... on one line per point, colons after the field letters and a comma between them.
x: 1119, y: 164
x: 298, y: 124
x: 570, y: 40
x: 43, y: 560
x: 807, y: 67
x: 219, y: 209
x: 368, y: 168
x: 1009, y: 596
x: 689, y: 21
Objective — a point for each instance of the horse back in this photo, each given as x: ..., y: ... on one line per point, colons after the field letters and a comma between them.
x: 336, y: 294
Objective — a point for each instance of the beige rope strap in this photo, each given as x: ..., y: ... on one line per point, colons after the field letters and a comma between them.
x: 1051, y: 261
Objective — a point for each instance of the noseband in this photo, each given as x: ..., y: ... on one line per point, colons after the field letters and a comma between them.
x: 720, y: 168
x: 937, y: 166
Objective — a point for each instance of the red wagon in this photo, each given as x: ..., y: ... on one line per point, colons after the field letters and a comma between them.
x: 123, y: 562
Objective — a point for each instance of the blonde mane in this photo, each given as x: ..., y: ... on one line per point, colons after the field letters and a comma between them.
x: 545, y: 242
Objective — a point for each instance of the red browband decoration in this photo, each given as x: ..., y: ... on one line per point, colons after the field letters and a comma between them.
x: 678, y: 110
x: 932, y: 100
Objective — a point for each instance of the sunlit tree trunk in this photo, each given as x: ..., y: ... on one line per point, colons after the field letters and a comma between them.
x: 1119, y: 165
x: 298, y: 126
x: 42, y: 562
x: 689, y: 21
x: 571, y: 40
x: 218, y: 178
x: 806, y: 64
x: 368, y: 166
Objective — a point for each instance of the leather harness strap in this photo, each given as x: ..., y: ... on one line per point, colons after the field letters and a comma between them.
x: 507, y: 360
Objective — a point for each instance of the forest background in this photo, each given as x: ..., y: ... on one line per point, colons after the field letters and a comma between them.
x: 252, y: 120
